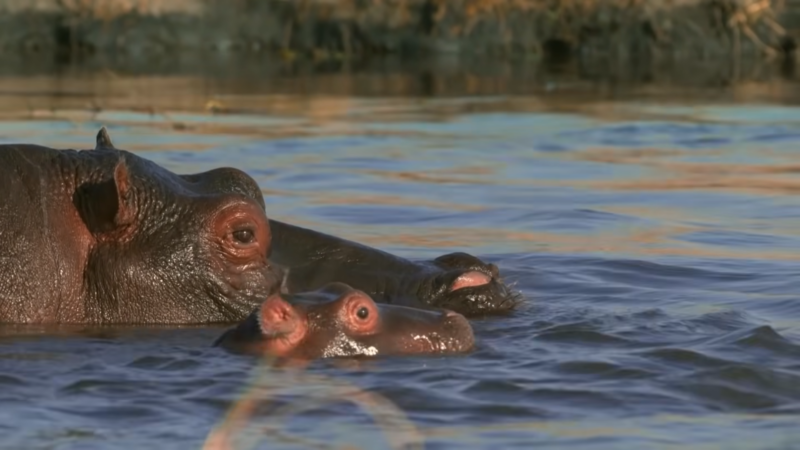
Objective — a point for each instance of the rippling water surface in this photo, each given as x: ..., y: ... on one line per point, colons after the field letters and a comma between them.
x: 657, y: 246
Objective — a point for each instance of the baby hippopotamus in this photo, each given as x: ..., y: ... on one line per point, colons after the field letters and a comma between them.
x: 339, y: 321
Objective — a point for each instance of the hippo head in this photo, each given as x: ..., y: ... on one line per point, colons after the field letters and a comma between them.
x: 464, y: 283
x: 339, y: 321
x: 168, y: 248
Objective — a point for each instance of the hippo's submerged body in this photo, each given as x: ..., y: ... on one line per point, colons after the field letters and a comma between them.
x: 106, y: 237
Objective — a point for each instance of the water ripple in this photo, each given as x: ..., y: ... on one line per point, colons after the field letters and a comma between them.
x: 658, y: 259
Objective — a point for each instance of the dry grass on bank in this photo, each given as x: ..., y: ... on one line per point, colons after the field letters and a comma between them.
x: 352, y: 27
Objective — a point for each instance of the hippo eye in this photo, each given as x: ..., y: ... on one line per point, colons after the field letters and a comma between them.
x: 245, y: 236
x: 360, y: 315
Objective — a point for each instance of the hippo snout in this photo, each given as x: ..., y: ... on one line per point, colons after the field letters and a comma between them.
x: 460, y: 332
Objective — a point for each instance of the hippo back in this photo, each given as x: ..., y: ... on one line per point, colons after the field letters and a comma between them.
x: 43, y: 242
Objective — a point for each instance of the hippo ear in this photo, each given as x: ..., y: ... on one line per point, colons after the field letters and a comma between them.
x: 103, y: 139
x: 124, y: 213
x: 107, y: 206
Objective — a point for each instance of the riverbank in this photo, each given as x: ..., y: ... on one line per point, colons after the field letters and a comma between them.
x: 347, y: 29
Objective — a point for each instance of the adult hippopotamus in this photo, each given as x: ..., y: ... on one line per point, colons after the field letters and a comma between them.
x: 339, y: 321
x: 105, y: 236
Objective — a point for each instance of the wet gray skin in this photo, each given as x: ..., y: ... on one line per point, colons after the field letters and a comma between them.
x: 457, y: 281
x: 339, y: 321
x: 132, y: 242
x: 104, y: 236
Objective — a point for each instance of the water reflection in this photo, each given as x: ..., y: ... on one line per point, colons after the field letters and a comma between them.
x: 263, y: 85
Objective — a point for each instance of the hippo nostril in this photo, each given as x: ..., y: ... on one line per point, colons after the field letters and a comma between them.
x: 458, y: 335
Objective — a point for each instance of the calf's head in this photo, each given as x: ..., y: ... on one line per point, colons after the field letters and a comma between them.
x: 339, y: 321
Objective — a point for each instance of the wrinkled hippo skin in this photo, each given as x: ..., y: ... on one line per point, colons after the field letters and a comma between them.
x: 106, y: 237
x: 456, y: 281
x: 339, y: 321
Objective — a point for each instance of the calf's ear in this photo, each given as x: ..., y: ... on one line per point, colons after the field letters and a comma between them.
x: 107, y: 206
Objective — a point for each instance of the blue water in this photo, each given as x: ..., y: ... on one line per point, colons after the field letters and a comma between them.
x: 657, y: 248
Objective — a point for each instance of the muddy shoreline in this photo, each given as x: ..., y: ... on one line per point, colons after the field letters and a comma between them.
x: 349, y: 29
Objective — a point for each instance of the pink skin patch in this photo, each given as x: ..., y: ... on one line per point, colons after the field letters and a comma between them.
x: 282, y: 325
x: 470, y: 279
x: 277, y: 317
